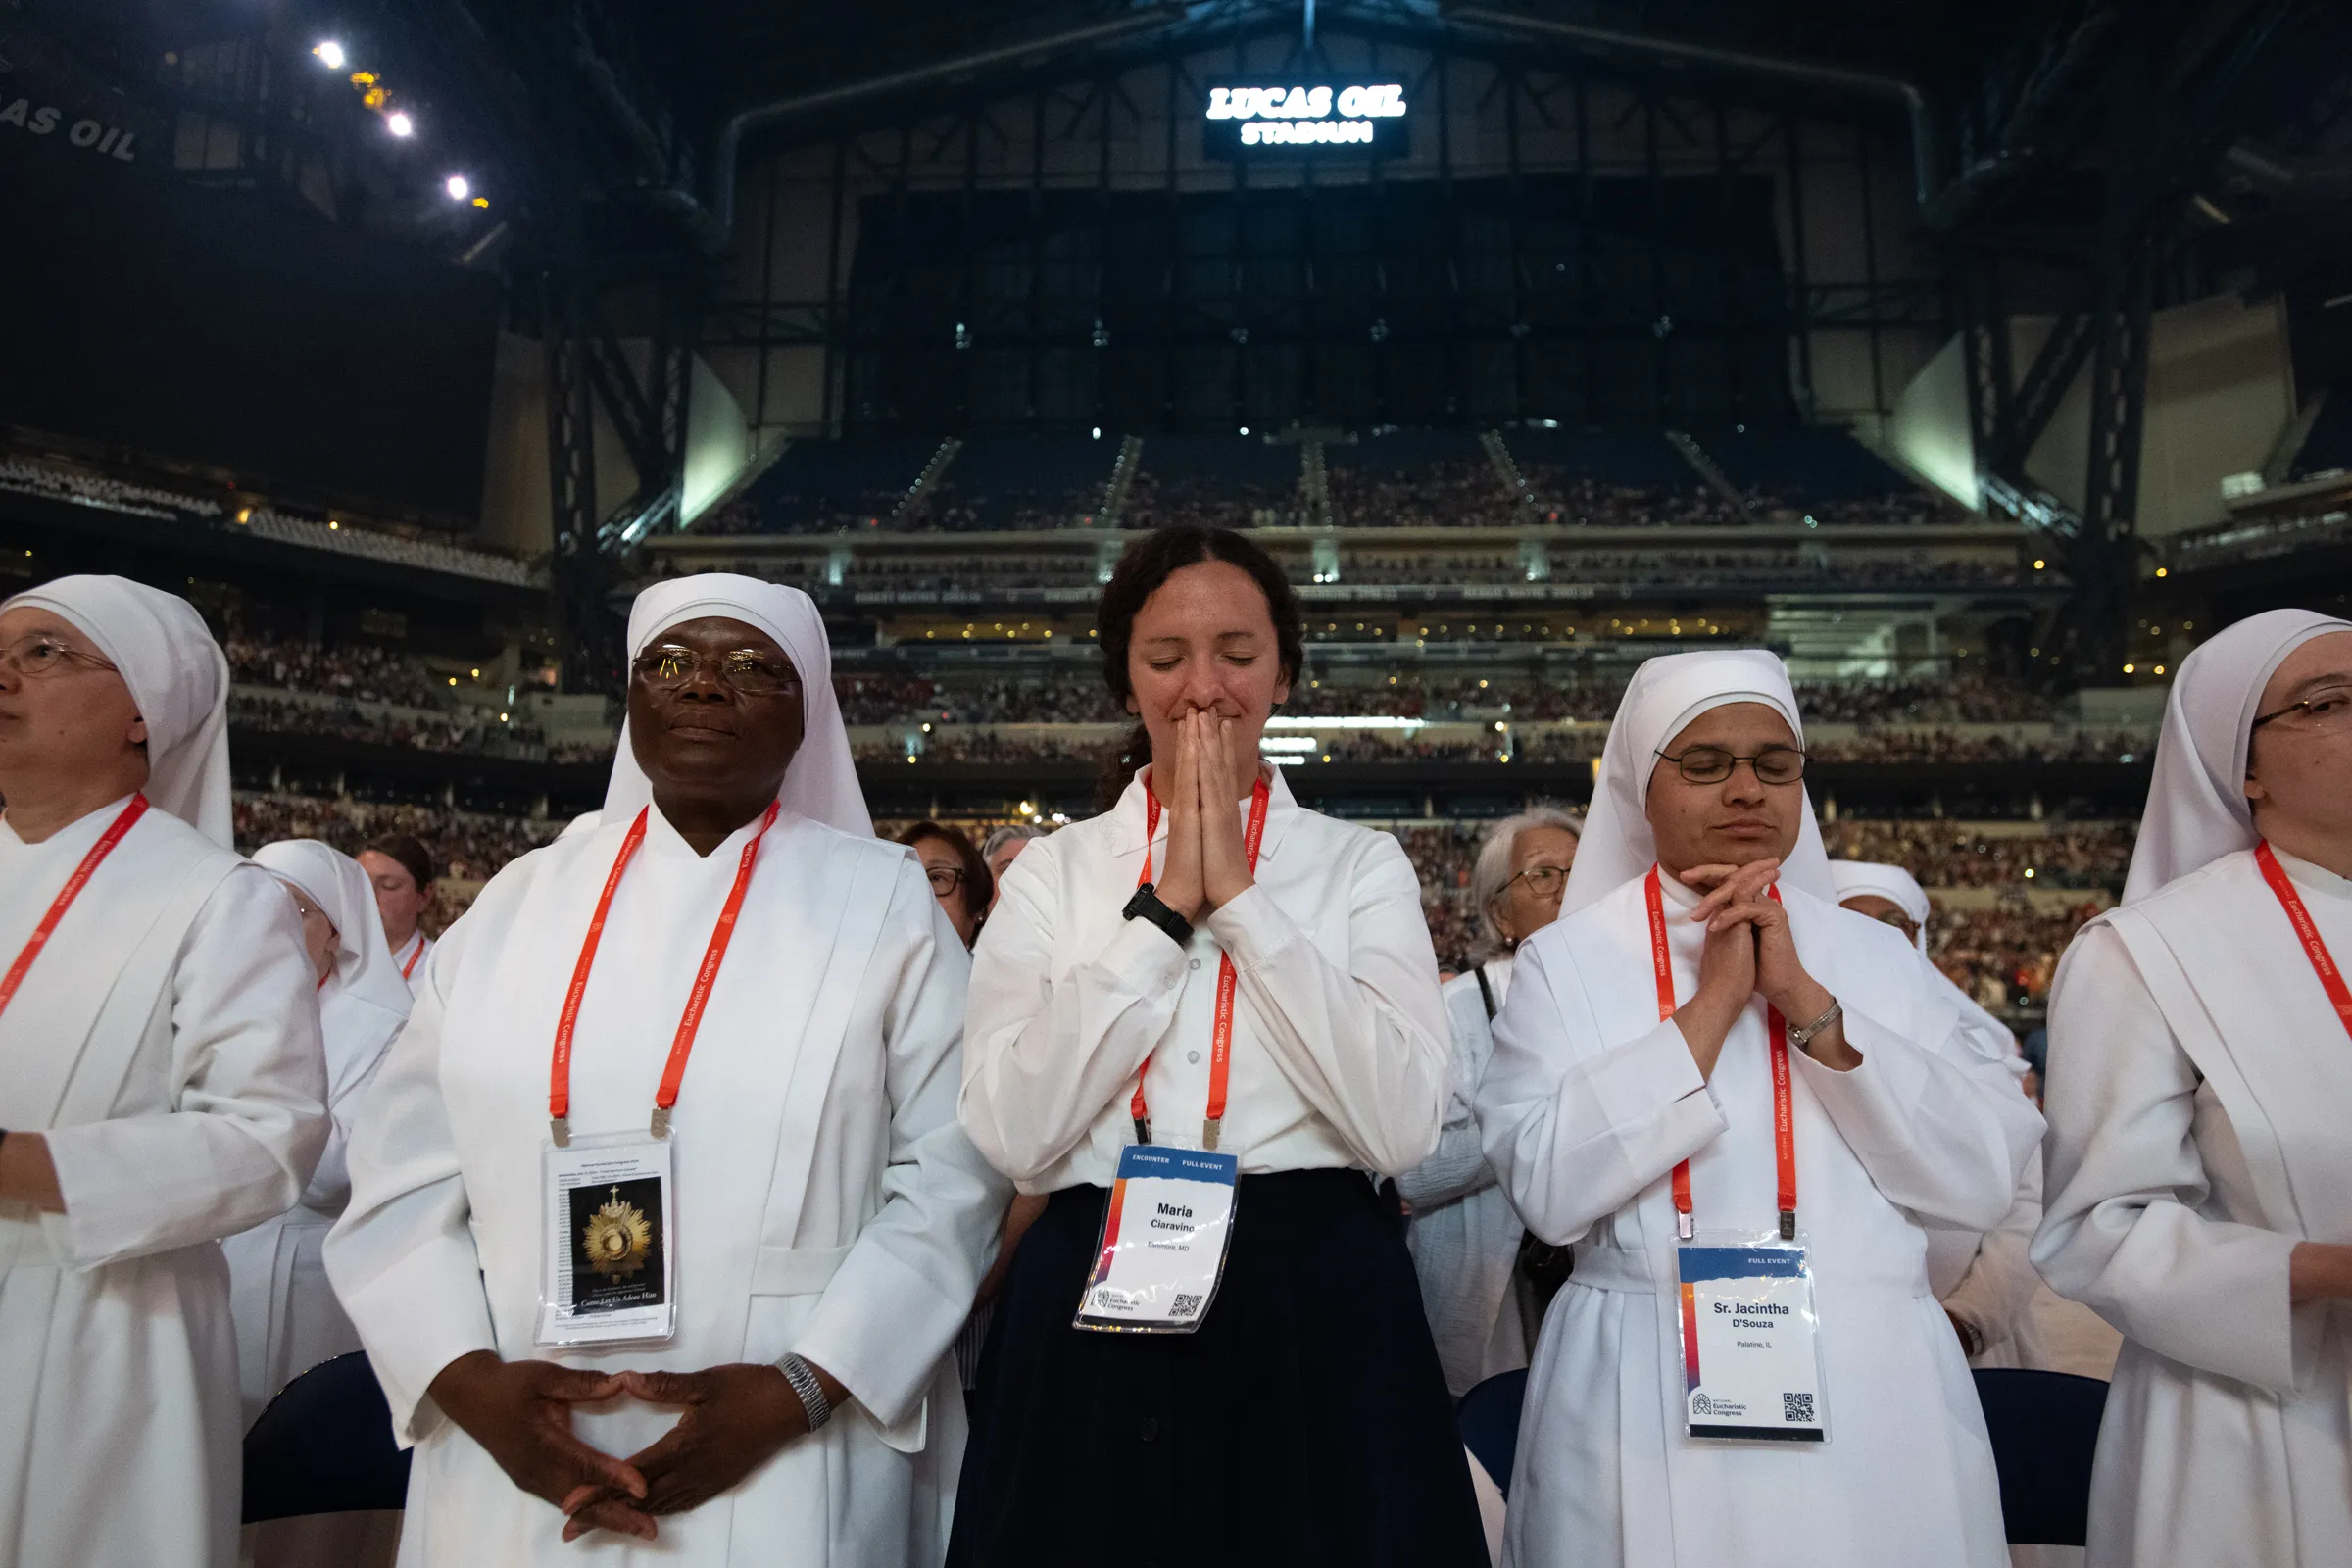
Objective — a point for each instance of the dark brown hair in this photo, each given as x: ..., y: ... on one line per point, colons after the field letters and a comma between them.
x: 978, y: 886
x: 1147, y: 564
x: 414, y: 858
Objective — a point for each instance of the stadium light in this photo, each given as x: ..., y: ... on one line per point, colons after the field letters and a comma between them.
x: 398, y: 123
x: 460, y: 188
x: 329, y: 53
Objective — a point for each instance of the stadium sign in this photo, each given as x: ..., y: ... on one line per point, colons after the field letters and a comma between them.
x: 1296, y: 120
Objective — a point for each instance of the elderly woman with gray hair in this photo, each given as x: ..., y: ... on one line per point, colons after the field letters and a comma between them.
x: 1465, y: 1235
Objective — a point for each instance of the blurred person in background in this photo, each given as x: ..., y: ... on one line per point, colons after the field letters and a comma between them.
x: 401, y: 870
x: 1002, y: 848
x: 288, y: 1320
x: 1983, y: 1279
x: 1466, y: 1237
x: 959, y: 878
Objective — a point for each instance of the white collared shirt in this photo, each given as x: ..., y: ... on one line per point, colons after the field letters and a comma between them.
x: 1340, y: 1050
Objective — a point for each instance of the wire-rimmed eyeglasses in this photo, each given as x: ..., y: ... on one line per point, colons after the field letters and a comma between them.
x: 745, y: 670
x: 45, y: 653
x: 1712, y: 764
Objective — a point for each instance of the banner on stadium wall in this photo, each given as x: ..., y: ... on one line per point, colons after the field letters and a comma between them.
x: 1261, y: 119
x: 50, y: 105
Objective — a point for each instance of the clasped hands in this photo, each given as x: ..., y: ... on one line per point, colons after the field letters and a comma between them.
x: 520, y: 1412
x: 1208, y: 865
x: 1750, y: 951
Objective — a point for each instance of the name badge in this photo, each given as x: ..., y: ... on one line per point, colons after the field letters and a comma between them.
x: 1752, y: 1354
x: 1163, y: 1242
x: 610, y: 1274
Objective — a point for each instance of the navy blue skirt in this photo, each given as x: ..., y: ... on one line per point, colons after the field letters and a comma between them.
x: 1304, y: 1423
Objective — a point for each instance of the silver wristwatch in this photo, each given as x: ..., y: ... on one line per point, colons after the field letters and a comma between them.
x: 803, y: 1379
x: 1799, y: 1036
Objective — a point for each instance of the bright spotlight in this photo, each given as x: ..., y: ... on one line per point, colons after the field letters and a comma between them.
x: 458, y: 186
x: 329, y: 53
x: 398, y: 123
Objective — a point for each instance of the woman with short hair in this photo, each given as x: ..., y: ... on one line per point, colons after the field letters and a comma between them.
x: 1225, y: 1007
x: 2200, y: 1192
x: 959, y: 878
x: 1465, y: 1236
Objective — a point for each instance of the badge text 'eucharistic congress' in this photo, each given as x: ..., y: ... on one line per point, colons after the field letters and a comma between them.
x: 1288, y: 121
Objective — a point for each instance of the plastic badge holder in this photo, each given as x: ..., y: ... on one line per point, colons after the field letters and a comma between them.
x: 1750, y: 1339
x: 1165, y: 1234
x: 608, y: 1267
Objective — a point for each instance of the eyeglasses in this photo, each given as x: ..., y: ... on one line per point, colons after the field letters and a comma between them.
x: 44, y: 653
x: 2324, y: 710
x: 944, y: 879
x: 1900, y: 921
x: 744, y: 671
x: 1712, y: 764
x: 1544, y: 881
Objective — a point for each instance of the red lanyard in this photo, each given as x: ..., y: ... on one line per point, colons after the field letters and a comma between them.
x: 2314, y: 948
x: 1783, y: 1121
x: 673, y: 1075
x: 414, y: 958
x: 122, y: 824
x: 1220, y: 1046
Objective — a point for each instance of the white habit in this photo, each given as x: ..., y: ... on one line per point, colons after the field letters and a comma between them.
x: 2200, y: 1086
x: 1465, y: 1235
x: 166, y: 1044
x: 288, y: 1320
x: 1588, y: 1104
x: 827, y: 1202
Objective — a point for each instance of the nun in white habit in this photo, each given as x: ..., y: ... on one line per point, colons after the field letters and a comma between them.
x: 2200, y: 1084
x: 1592, y: 1100
x: 1983, y: 1280
x: 288, y: 1320
x: 159, y: 1079
x: 833, y: 1221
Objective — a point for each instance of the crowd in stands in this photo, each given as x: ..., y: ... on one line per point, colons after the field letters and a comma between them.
x: 1956, y: 855
x: 2005, y: 956
x: 469, y: 847
x: 1465, y: 494
x: 1562, y: 497
x: 53, y: 483
x: 362, y: 671
x: 420, y: 730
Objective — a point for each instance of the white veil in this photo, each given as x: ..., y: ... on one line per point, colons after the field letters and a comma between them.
x: 1665, y: 695
x: 822, y: 782
x: 178, y: 677
x: 2198, y: 810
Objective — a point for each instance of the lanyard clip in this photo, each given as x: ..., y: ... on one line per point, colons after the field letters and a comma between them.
x: 1685, y: 1226
x: 1208, y: 1133
x: 1143, y: 1129
x: 1788, y: 1224
x: 661, y: 1122
x: 560, y: 1129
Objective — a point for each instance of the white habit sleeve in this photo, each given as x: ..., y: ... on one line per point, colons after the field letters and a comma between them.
x: 402, y: 1259
x: 246, y: 1115
x: 1365, y: 1043
x: 2123, y: 1230
x: 1045, y: 1052
x: 1992, y: 1296
x: 1575, y: 1130
x: 908, y: 1285
x: 1941, y: 1128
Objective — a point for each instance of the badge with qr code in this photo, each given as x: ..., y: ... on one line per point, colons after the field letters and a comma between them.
x: 1165, y: 1237
x: 1751, y: 1350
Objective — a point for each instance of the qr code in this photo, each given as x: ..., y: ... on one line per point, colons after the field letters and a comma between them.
x: 1186, y: 1307
x: 1796, y: 1407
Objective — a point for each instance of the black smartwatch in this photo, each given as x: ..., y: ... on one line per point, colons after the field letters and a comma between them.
x: 1146, y: 906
